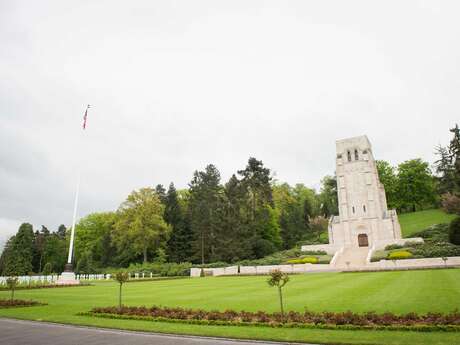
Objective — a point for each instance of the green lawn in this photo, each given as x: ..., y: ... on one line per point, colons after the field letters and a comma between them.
x: 417, y: 221
x: 399, y: 292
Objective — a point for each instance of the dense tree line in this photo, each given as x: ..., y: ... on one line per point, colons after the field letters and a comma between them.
x: 39, y: 251
x: 247, y: 217
x: 413, y: 185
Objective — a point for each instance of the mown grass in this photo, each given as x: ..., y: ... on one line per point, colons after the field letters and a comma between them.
x: 398, y: 292
x: 417, y: 221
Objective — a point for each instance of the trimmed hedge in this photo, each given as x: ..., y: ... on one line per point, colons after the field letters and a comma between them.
x: 400, y: 255
x: 350, y: 320
x: 306, y: 260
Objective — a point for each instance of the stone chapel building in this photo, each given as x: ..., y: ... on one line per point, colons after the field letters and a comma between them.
x: 364, y: 219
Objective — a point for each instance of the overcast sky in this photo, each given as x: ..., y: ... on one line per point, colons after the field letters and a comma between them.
x: 176, y: 85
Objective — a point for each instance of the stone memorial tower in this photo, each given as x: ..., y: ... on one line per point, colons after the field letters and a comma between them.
x: 363, y: 218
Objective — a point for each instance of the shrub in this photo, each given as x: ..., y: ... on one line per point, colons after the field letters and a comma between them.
x: 436, y: 250
x: 379, y: 255
x: 369, y: 319
x: 314, y: 252
x: 450, y: 203
x: 400, y: 255
x: 454, y: 231
x: 393, y: 247
x: 305, y: 260
x: 435, y: 233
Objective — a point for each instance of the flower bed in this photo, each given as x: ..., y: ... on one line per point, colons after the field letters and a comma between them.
x: 13, y: 303
x: 347, y: 320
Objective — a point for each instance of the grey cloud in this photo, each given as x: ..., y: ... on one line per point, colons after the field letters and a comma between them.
x: 178, y: 85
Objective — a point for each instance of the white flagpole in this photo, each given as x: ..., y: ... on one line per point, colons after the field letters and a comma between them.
x: 75, y: 208
x: 72, y: 233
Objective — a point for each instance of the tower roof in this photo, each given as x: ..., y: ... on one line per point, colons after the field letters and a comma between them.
x: 361, y: 142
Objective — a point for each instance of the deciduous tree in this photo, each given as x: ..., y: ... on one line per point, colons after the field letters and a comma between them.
x: 140, y: 223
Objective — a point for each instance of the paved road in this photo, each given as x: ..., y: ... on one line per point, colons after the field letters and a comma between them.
x: 18, y: 332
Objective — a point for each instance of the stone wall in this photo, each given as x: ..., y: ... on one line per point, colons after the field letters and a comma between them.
x: 311, y: 268
x: 262, y: 270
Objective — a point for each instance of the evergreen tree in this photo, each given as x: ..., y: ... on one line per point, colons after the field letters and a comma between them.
x: 256, y: 179
x: 61, y: 232
x: 20, y: 252
x: 445, y: 171
x: 454, y: 151
x: 55, y: 251
x: 205, y: 212
x: 161, y: 192
x: 260, y: 213
x: 233, y: 241
x: 179, y: 244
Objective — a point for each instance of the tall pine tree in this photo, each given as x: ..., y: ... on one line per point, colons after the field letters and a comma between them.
x: 179, y: 244
x: 205, y: 209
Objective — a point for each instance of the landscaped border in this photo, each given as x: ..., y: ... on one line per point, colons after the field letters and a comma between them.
x: 18, y: 303
x: 326, y: 320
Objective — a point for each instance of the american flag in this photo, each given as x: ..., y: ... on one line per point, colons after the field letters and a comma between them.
x: 85, y: 116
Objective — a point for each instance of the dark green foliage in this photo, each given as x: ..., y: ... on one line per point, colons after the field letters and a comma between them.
x: 85, y: 264
x: 388, y: 178
x: 447, y: 166
x: 435, y: 233
x: 19, y: 252
x: 409, y: 187
x: 48, y: 268
x: 416, y: 187
x: 454, y: 151
x: 179, y: 244
x: 233, y: 242
x: 205, y: 207
x: 454, y: 231
x: 161, y: 191
x: 445, y: 171
x: 262, y: 247
x: 435, y: 250
x: 328, y: 196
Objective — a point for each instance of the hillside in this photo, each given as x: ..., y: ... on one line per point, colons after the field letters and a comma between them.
x: 417, y: 221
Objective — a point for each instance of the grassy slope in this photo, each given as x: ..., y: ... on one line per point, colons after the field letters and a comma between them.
x: 385, y: 291
x: 417, y: 221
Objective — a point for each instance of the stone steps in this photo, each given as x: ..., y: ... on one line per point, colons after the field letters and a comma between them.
x: 355, y: 256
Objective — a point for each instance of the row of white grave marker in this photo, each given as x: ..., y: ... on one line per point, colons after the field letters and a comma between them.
x: 53, y: 278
